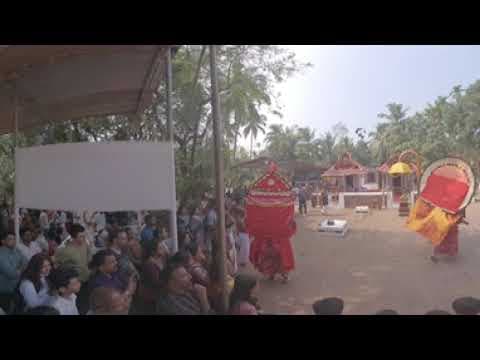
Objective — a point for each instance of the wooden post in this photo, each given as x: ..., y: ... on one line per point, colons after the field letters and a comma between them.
x: 220, y: 241
x: 168, y: 81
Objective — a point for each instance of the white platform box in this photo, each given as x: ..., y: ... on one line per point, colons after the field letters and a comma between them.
x: 333, y: 227
x: 362, y: 210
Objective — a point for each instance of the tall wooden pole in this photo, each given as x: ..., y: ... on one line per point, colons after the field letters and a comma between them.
x: 220, y: 241
x: 16, y: 220
x: 168, y: 81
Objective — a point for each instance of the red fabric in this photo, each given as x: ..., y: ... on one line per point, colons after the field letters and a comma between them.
x: 445, y: 193
x: 269, y: 220
x: 271, y: 183
x: 449, y: 245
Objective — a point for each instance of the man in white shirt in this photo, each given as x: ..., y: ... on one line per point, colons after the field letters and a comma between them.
x: 66, y: 284
x: 26, y: 245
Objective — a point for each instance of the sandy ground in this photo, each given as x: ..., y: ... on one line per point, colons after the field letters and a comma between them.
x: 379, y: 264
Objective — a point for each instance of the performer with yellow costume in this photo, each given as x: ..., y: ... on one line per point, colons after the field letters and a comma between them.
x: 446, y: 188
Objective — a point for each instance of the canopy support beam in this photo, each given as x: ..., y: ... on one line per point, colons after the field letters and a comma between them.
x: 220, y: 239
x: 168, y: 83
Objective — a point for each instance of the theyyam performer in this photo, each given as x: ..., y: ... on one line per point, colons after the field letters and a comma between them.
x: 270, y: 222
x: 446, y: 189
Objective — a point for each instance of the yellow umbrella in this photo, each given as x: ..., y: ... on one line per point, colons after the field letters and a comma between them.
x: 400, y: 168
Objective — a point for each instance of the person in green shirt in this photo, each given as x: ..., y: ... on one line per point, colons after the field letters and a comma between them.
x: 76, y: 254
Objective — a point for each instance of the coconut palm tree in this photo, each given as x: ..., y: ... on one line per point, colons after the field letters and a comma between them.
x: 255, y: 124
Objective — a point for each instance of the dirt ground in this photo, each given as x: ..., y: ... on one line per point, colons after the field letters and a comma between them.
x: 378, y: 265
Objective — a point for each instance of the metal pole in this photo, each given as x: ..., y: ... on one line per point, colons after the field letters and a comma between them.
x: 220, y: 240
x: 15, y: 143
x: 168, y: 80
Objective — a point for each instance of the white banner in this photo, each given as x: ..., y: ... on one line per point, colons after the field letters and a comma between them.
x: 118, y: 176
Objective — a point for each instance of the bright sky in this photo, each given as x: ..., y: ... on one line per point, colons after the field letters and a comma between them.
x: 353, y: 84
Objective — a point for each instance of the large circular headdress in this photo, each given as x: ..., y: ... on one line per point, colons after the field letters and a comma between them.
x: 449, y: 184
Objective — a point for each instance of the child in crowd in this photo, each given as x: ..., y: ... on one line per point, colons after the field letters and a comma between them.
x: 66, y: 285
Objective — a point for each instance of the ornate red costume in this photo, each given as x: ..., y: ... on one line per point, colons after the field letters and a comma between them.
x: 270, y: 221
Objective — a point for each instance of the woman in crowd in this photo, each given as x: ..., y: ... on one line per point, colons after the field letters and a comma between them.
x: 151, y: 285
x: 242, y: 298
x: 34, y: 288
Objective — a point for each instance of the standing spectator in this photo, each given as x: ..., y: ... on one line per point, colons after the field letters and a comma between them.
x: 196, y: 226
x: 108, y: 301
x: 118, y: 245
x: 151, y: 285
x: 147, y: 236
x: 243, y: 239
x: 66, y: 284
x: 243, y: 300
x: 12, y: 263
x: 302, y: 200
x: 328, y: 306
x: 77, y: 254
x: 34, y: 288
x: 27, y: 246
x: 181, y: 296
x: 210, y: 224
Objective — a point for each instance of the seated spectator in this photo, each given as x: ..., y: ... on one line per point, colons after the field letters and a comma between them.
x: 34, y: 287
x: 328, y: 306
x: 437, y: 312
x: 466, y: 306
x: 151, y: 285
x: 12, y: 264
x: 42, y: 310
x: 242, y: 298
x: 27, y: 246
x: 105, y: 274
x: 182, y: 297
x: 65, y: 283
x: 108, y: 301
x: 196, y: 266
x: 387, y: 312
x: 118, y: 245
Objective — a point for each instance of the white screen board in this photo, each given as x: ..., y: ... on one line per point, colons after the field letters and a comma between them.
x: 118, y: 176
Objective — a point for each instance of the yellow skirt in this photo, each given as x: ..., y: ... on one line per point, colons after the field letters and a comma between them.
x: 430, y: 222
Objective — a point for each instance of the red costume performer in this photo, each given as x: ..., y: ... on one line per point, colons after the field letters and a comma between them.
x: 270, y: 222
x: 446, y: 188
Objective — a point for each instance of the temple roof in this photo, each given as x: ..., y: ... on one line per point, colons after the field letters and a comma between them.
x: 345, y: 166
